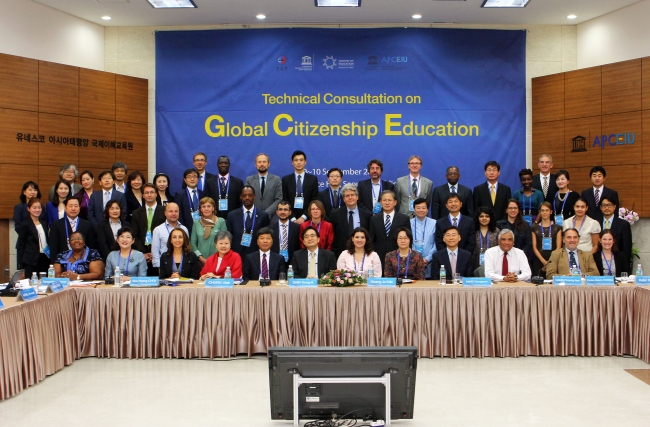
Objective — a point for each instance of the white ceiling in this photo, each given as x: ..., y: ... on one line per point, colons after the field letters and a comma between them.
x: 213, y: 12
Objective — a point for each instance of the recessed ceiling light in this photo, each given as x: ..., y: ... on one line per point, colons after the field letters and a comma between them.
x: 171, y: 4
x: 260, y: 16
x: 106, y: 18
x: 416, y: 16
x: 338, y: 3
x: 505, y: 3
x: 572, y: 17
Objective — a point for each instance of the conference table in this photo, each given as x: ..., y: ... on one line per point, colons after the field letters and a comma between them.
x: 41, y: 337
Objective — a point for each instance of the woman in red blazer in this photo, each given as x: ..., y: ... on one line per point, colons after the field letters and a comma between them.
x: 315, y: 214
x: 215, y: 266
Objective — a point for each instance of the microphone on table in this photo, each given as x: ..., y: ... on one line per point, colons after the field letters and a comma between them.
x: 539, y: 279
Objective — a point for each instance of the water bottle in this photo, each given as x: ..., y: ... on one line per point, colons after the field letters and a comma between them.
x: 34, y: 282
x: 50, y: 271
x: 117, y: 277
x: 228, y: 274
x: 371, y: 272
x: 443, y: 275
x: 290, y: 273
x: 639, y: 270
x: 575, y: 271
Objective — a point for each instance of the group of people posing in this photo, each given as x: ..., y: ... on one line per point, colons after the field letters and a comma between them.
x: 255, y: 229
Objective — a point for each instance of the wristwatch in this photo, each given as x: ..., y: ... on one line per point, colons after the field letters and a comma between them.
x: 78, y: 277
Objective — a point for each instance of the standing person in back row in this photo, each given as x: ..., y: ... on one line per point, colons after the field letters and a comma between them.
x: 544, y: 181
x: 99, y: 199
x: 384, y: 226
x: 299, y: 188
x: 225, y: 189
x: 370, y: 189
x: 268, y: 187
x: 492, y: 193
x: 594, y: 195
x: 440, y: 193
x: 412, y: 186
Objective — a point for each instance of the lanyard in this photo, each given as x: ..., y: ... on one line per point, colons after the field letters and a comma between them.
x: 192, y: 207
x: 332, y: 198
x: 73, y: 267
x: 415, y: 229
x: 563, y: 203
x: 67, y: 223
x: 174, y: 269
x: 362, y: 262
x: 543, y: 232
x: 530, y: 199
x: 584, y: 218
x: 87, y: 197
x: 167, y: 228
x: 311, y: 224
x: 253, y: 224
x: 399, y: 260
x: 221, y: 188
x: 372, y: 187
x: 126, y: 267
x: 487, y: 239
x: 608, y: 263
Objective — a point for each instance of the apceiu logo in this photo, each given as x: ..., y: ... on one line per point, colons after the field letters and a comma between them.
x: 329, y: 62
x: 579, y: 142
x: 394, y: 59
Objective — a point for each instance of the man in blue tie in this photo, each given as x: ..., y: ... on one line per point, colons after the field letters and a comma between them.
x: 188, y: 200
x: 563, y: 260
x: 200, y: 160
x: 454, y: 218
x: 99, y: 199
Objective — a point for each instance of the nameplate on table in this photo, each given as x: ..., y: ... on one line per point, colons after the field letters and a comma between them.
x: 144, y: 282
x: 643, y: 280
x: 477, y: 281
x: 54, y: 285
x: 567, y: 280
x: 389, y: 282
x: 27, y: 294
x: 219, y: 283
x: 600, y: 280
x: 303, y: 283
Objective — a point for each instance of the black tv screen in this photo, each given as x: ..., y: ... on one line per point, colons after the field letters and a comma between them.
x: 323, y: 401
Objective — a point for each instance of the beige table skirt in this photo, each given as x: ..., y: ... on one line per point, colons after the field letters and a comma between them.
x: 41, y: 337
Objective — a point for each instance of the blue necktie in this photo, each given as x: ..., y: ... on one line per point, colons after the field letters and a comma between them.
x: 387, y: 224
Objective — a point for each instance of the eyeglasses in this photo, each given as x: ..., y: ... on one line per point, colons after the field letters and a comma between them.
x: 606, y: 205
x: 415, y: 163
x: 403, y: 238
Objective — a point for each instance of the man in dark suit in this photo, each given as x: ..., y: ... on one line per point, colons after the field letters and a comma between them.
x: 268, y: 187
x: 188, y: 200
x: 370, y: 189
x: 439, y: 198
x: 300, y: 187
x: 331, y: 197
x: 224, y: 189
x: 383, y: 227
x: 343, y: 222
x: 312, y: 261
x: 62, y: 228
x: 287, y: 232
x: 99, y: 199
x: 451, y: 251
x: 200, y: 160
x: 143, y: 226
x: 620, y: 228
x: 464, y: 225
x: 492, y: 193
x: 544, y: 181
x: 243, y: 223
x: 594, y: 195
x: 264, y: 264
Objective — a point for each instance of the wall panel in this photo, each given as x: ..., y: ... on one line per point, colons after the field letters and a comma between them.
x: 645, y: 83
x: 548, y: 139
x: 92, y: 155
x: 622, y: 87
x: 135, y: 159
x: 625, y: 131
x: 645, y: 136
x: 548, y: 98
x: 96, y: 94
x: 13, y: 176
x: 18, y: 83
x: 131, y: 99
x: 582, y: 93
x: 58, y: 89
x: 587, y: 128
x: 64, y: 130
x: 12, y: 150
x: 628, y: 181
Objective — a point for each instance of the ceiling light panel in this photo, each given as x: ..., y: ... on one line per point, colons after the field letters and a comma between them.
x: 172, y: 4
x: 505, y: 3
x: 338, y: 3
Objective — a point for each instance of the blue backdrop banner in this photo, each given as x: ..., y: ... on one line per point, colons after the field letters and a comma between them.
x: 343, y: 96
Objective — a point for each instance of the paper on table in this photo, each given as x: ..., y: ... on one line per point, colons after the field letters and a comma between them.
x: 82, y: 284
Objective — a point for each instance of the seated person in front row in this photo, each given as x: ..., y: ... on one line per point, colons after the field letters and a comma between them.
x: 561, y: 260
x: 359, y: 255
x: 130, y: 261
x: 179, y: 260
x: 405, y: 263
x: 610, y: 261
x: 80, y: 262
x: 312, y: 262
x: 215, y: 266
x: 264, y: 264
x: 505, y: 263
x: 462, y: 264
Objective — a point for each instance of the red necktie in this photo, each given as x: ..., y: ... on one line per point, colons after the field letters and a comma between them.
x: 265, y: 267
x: 504, y: 268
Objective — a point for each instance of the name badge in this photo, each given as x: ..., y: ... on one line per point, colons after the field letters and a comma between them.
x: 196, y: 216
x: 303, y: 283
x: 600, y: 280
x: 46, y: 251
x: 299, y: 203
x: 382, y: 282
x: 219, y: 283
x: 643, y: 280
x: 147, y: 238
x: 411, y: 208
x: 246, y: 239
x: 49, y: 281
x: 559, y: 220
x: 285, y: 254
x: 2, y: 305
x: 546, y: 244
x: 27, y: 294
x: 567, y: 280
x: 528, y: 219
x: 481, y: 258
x: 223, y: 204
x: 377, y: 208
x: 419, y: 246
x: 144, y: 282
x: 477, y: 281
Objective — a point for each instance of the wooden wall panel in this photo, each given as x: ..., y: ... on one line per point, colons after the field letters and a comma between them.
x: 645, y: 136
x: 12, y: 150
x: 548, y: 98
x: 101, y: 130
x: 62, y: 128
x: 622, y: 129
x: 628, y: 181
x: 47, y: 177
x: 645, y: 208
x: 136, y: 159
x: 13, y: 177
x: 18, y: 83
x: 579, y: 177
x: 582, y: 93
x: 131, y: 99
x: 96, y: 94
x: 4, y: 251
x: 588, y: 128
x: 58, y: 89
x: 548, y: 138
x: 645, y: 83
x: 622, y: 87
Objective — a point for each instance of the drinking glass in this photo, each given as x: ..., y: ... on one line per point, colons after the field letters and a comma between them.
x: 283, y: 278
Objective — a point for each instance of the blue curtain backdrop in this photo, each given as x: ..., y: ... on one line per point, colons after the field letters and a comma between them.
x: 343, y: 96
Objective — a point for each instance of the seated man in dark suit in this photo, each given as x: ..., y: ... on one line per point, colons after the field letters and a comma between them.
x: 370, y: 189
x: 620, y: 228
x: 384, y: 227
x: 343, y: 222
x: 188, y: 199
x: 455, y: 259
x: 99, y: 199
x: 331, y: 197
x: 264, y: 264
x: 439, y: 198
x: 287, y: 232
x: 594, y: 195
x: 312, y: 261
x: 492, y: 193
x: 464, y: 224
x: 244, y: 223
x: 62, y: 229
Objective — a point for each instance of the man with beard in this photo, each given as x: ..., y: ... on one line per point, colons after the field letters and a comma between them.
x: 268, y: 187
x: 371, y: 189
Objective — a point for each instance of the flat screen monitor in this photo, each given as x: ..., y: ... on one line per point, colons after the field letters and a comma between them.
x: 323, y: 401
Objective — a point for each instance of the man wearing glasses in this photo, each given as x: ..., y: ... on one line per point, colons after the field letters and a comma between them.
x: 412, y: 186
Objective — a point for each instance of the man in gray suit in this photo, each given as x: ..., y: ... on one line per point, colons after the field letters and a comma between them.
x: 268, y: 188
x: 412, y: 186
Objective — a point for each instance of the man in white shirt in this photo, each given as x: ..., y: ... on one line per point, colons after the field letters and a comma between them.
x: 120, y: 170
x: 505, y: 263
x: 161, y: 233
